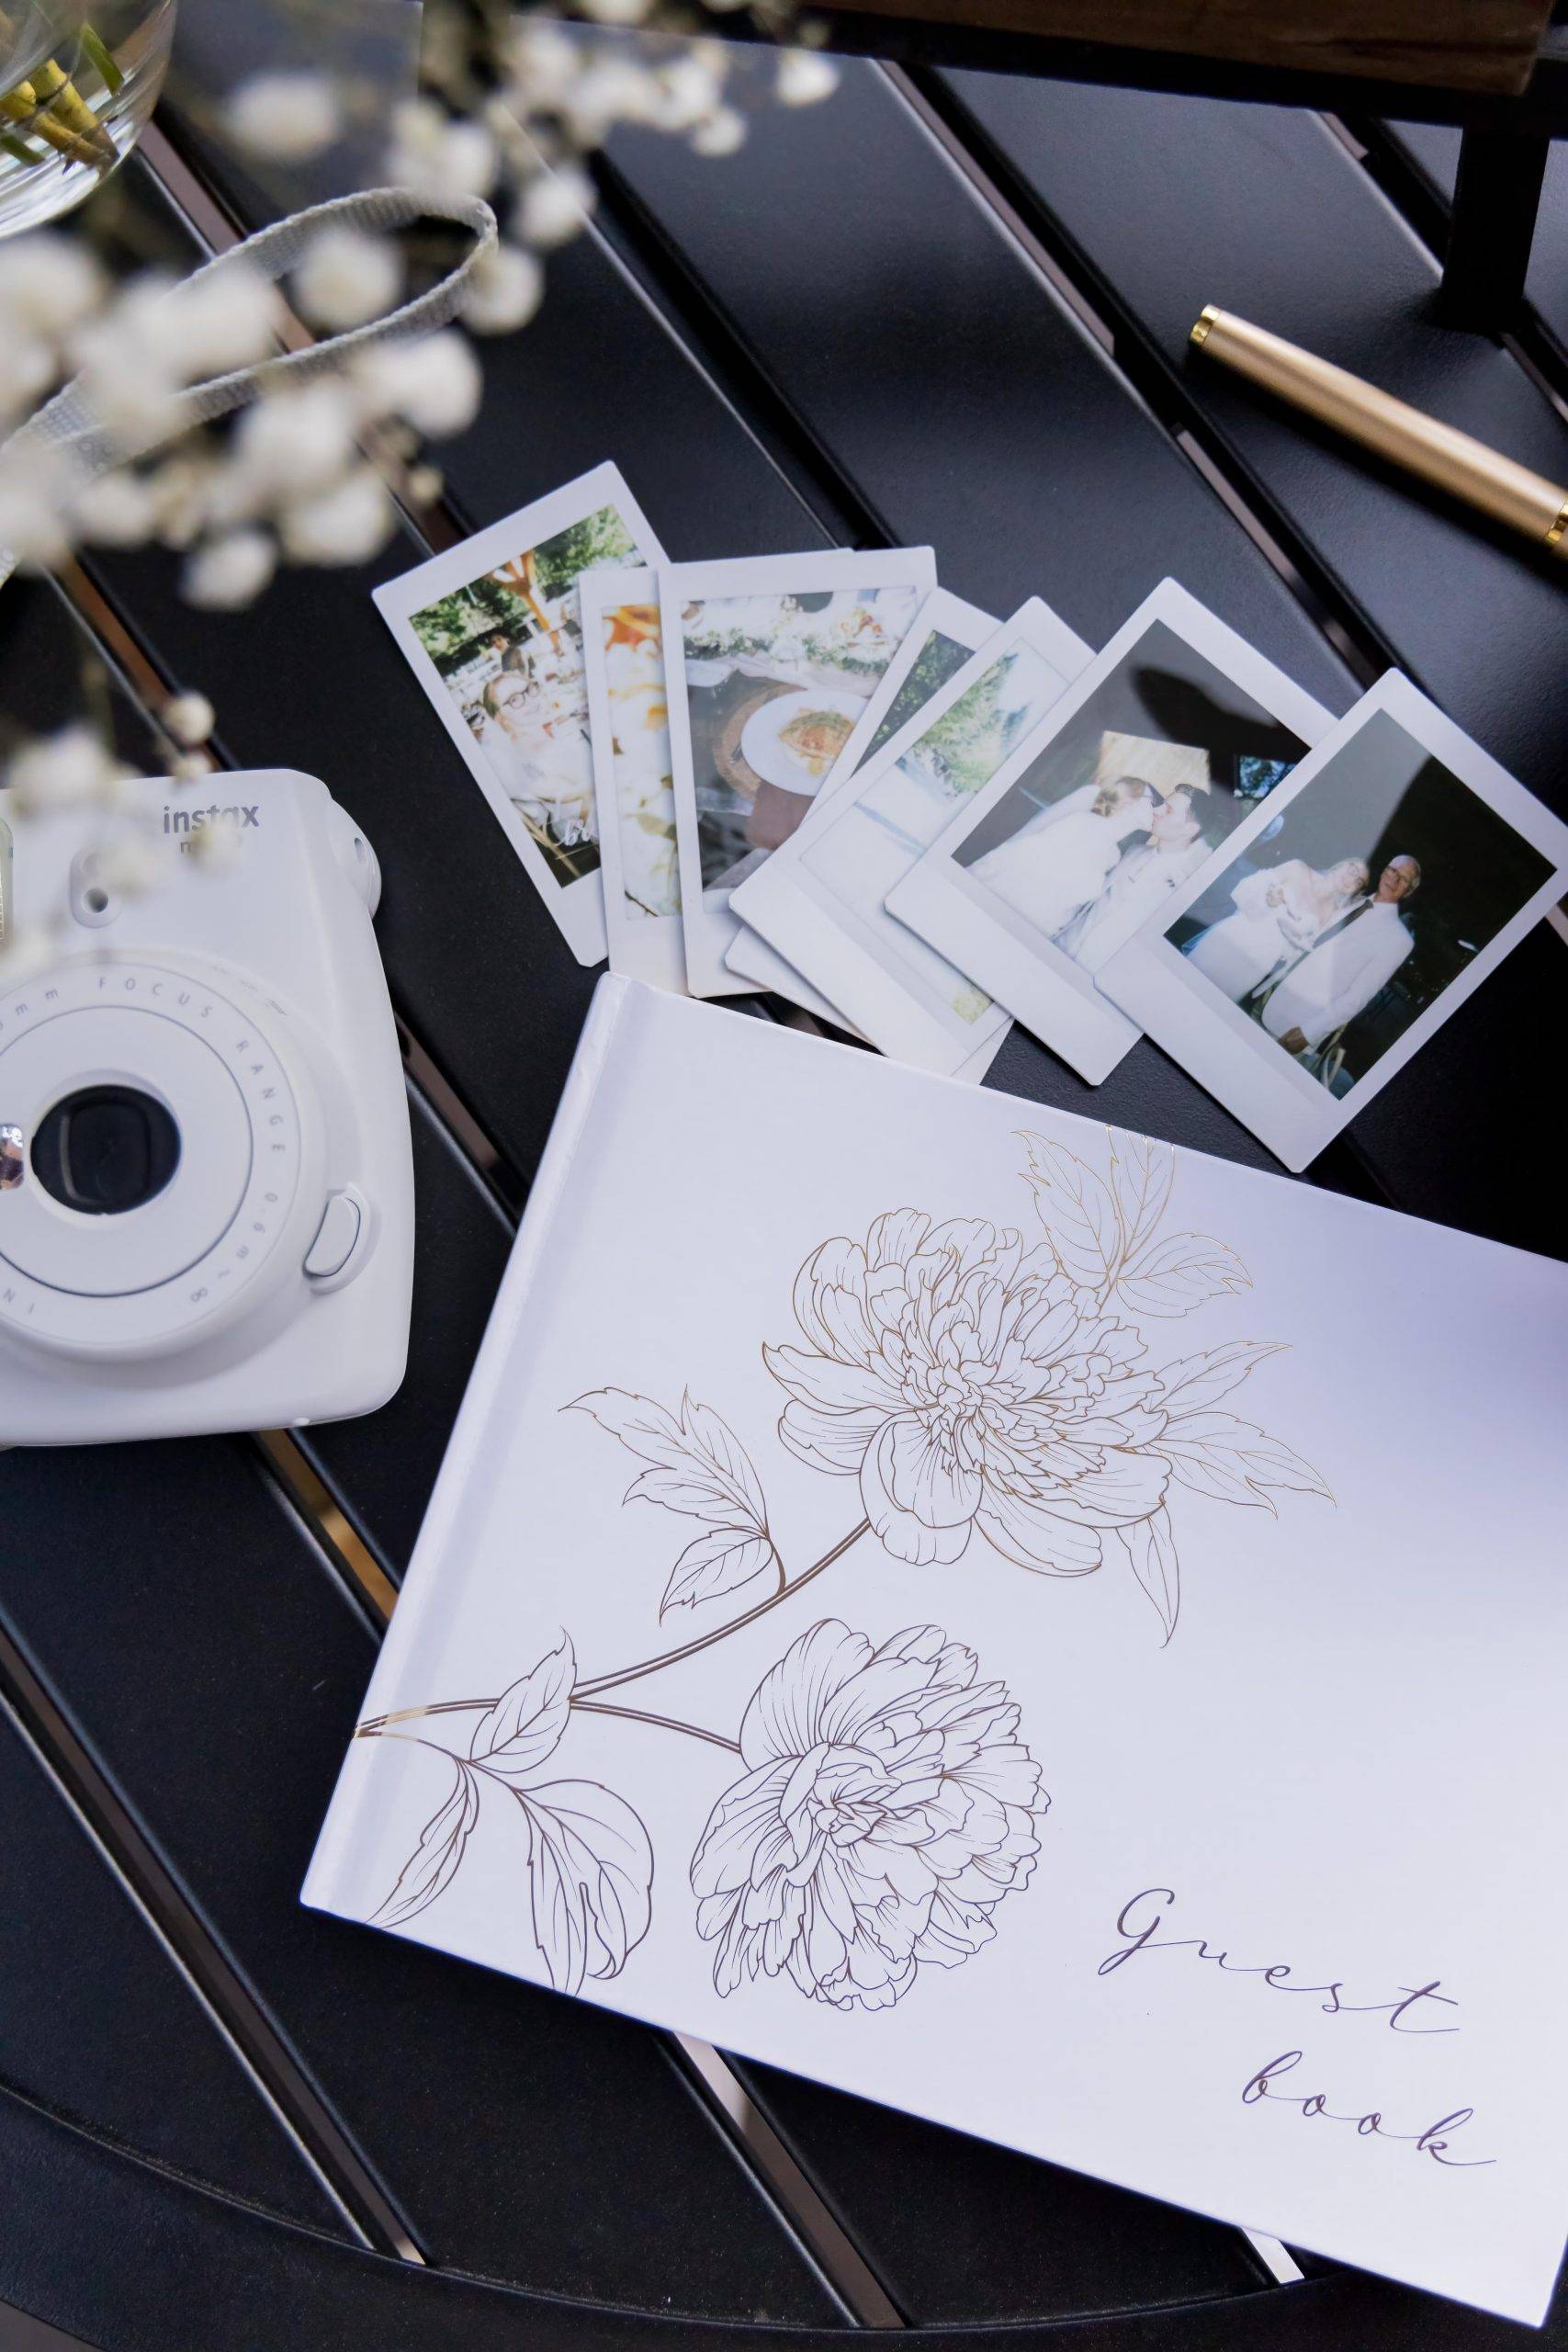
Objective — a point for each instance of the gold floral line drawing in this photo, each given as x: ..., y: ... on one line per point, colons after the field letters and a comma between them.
x: 971, y: 1386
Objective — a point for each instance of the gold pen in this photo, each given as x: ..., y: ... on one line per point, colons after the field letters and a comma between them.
x: 1511, y: 494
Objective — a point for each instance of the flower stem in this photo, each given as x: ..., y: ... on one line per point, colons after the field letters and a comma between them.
x: 721, y: 1632
x: 666, y: 1723
x: 588, y: 1707
x: 373, y: 1725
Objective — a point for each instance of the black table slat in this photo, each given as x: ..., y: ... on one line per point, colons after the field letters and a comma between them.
x: 171, y: 2268
x: 1175, y: 203
x: 96, y: 2022
x: 923, y: 352
x: 52, y: 673
x: 206, y: 1657
x: 382, y: 1466
x: 1015, y: 2239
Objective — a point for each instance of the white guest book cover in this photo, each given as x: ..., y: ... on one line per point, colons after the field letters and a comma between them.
x: 1058, y: 1636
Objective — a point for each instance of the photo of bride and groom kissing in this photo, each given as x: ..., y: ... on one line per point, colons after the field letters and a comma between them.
x: 1129, y: 798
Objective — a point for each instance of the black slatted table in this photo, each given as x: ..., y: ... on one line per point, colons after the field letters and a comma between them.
x: 945, y: 306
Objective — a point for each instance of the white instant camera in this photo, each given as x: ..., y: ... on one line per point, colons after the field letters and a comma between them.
x: 206, y: 1181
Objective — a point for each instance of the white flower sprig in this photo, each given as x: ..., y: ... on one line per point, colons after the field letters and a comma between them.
x: 511, y: 109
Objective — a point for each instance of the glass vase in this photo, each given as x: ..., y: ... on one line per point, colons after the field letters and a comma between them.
x: 78, y: 79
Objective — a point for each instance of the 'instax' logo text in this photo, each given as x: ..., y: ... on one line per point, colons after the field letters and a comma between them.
x: 196, y: 820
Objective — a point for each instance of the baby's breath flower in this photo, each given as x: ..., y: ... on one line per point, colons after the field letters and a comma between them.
x: 554, y: 205
x: 190, y: 767
x: 347, y: 277
x: 126, y: 864
x: 804, y: 78
x: 128, y: 383
x: 540, y: 64
x: 73, y: 768
x: 185, y: 493
x: 286, y: 116
x: 119, y: 511
x: 228, y: 571
x: 687, y: 90
x: 345, y: 523
x: 425, y: 485
x: 611, y: 90
x: 720, y: 133
x: 28, y: 367
x: 189, y: 719
x: 504, y: 291
x: 438, y: 156
x: 294, y: 440
x: 216, y: 847
x: 48, y: 285
x: 34, y: 504
x: 225, y: 319
x: 435, y: 383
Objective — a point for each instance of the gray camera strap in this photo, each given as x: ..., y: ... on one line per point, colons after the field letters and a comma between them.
x: 66, y: 422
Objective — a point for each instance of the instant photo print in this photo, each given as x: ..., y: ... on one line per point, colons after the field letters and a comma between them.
x: 492, y: 631
x: 623, y: 660
x: 946, y: 632
x: 820, y: 900
x: 1154, y: 756
x: 1300, y: 969
x: 770, y: 661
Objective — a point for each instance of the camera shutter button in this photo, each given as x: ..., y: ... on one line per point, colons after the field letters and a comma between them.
x: 337, y: 1237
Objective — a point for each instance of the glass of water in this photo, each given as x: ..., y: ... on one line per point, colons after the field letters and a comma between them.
x: 78, y: 79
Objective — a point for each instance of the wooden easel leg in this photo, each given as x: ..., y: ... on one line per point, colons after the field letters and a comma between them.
x: 1493, y: 225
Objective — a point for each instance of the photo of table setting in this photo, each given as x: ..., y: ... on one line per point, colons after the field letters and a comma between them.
x: 784, y: 896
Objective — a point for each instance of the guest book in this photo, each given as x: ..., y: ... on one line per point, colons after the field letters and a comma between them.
x: 1062, y: 1636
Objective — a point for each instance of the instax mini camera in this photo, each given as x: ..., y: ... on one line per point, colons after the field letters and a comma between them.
x: 206, y: 1182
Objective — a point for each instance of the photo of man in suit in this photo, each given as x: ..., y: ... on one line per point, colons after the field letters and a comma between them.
x: 1347, y: 966
x: 1376, y: 889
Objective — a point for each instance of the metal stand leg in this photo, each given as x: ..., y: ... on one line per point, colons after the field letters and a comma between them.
x: 1493, y: 225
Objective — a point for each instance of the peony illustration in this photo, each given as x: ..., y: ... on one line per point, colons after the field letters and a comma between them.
x: 888, y: 1808
x: 886, y: 1804
x: 963, y: 1382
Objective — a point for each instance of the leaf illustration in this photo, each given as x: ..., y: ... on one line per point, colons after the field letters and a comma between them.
x: 590, y: 1879
x: 430, y: 1867
x: 1151, y: 1547
x: 714, y: 1563
x: 637, y: 1421
x: 699, y: 1467
x: 1141, y: 1174
x: 526, y: 1722
x: 1077, y: 1212
x: 1173, y: 1276
x: 1216, y: 1454
x: 1197, y: 1382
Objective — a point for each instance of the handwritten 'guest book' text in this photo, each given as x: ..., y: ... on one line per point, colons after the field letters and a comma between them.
x: 1058, y: 1636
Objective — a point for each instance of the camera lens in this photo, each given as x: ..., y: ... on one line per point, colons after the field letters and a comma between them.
x: 105, y: 1149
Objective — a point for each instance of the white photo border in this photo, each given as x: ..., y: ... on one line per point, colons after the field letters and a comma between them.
x: 710, y: 927
x: 788, y: 905
x: 650, y: 947
x: 941, y: 615
x: 944, y: 904
x: 577, y: 908
x: 1220, y: 1045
